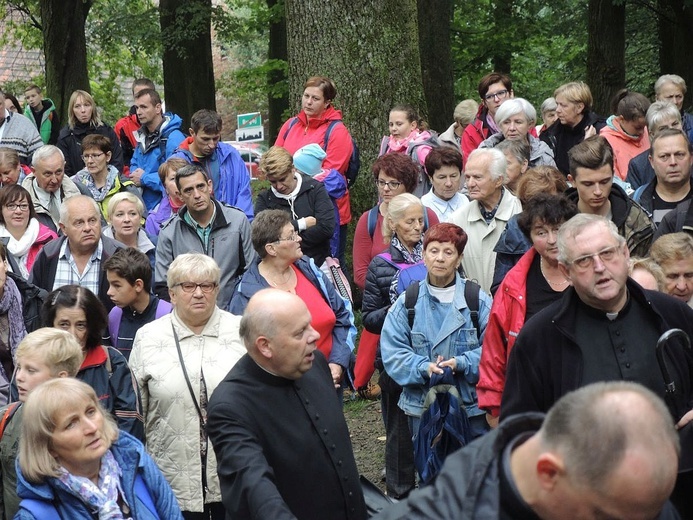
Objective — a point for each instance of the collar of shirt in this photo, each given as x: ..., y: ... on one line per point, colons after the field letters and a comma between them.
x: 66, y: 255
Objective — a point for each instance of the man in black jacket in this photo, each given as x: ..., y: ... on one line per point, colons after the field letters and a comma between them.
x: 277, y: 427
x: 623, y: 467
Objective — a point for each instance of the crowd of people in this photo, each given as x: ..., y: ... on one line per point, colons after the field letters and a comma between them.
x: 173, y: 346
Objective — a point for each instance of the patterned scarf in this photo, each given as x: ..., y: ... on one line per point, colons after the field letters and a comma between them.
x: 11, y: 304
x: 414, y: 257
x: 104, y: 497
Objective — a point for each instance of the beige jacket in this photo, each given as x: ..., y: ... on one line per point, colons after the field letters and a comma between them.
x: 479, y: 258
x: 171, y: 423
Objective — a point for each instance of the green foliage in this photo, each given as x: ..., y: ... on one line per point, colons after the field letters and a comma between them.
x: 122, y: 42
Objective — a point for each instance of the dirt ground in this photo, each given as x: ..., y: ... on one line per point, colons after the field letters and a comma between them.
x: 367, y: 436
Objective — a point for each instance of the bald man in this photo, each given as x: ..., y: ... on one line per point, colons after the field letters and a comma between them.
x: 607, y: 450
x: 282, y: 445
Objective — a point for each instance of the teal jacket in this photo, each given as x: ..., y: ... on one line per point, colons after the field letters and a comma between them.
x: 49, y: 127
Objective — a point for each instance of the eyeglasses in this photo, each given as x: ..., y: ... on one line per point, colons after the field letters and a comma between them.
x: 13, y: 207
x: 88, y: 156
x: 191, y: 287
x: 500, y: 95
x: 605, y: 255
x: 293, y: 238
x: 393, y: 185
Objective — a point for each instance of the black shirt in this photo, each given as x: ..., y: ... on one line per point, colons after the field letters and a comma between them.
x: 539, y: 292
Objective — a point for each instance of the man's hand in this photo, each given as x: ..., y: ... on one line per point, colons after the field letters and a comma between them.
x: 337, y: 372
x: 310, y: 222
x: 590, y: 131
x: 136, y: 176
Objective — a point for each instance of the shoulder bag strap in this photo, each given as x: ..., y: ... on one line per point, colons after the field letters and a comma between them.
x: 185, y: 374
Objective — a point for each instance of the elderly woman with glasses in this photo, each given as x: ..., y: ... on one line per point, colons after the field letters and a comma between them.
x: 24, y: 236
x: 515, y: 119
x: 178, y: 361
x: 282, y: 265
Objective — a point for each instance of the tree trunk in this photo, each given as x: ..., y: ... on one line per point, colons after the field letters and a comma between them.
x: 187, y: 56
x: 676, y: 36
x: 435, y: 18
x: 65, y: 49
x: 606, y: 43
x: 371, y: 51
x: 277, y: 104
x: 502, y: 21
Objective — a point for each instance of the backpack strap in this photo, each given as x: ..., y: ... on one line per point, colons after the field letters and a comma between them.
x: 328, y: 132
x: 410, y: 297
x: 373, y: 220
x: 471, y: 296
x: 162, y: 309
x: 142, y: 492
x: 7, y: 416
x: 638, y: 193
x: 40, y: 509
x: 114, y: 318
x: 291, y: 125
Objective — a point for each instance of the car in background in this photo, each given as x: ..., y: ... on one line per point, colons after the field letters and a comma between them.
x: 251, y: 153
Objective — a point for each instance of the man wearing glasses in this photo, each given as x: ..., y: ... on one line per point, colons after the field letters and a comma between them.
x: 206, y: 226
x: 604, y: 328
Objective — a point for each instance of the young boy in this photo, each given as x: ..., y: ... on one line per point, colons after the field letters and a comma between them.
x: 42, y: 113
x: 42, y: 355
x: 129, y: 275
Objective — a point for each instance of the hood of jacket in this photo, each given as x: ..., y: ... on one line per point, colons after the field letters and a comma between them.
x: 330, y: 114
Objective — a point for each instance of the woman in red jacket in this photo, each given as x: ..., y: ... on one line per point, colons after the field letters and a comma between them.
x: 311, y: 125
x: 535, y: 282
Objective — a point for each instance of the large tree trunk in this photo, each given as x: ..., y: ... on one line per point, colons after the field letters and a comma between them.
x: 676, y: 36
x: 277, y: 104
x: 503, y: 20
x: 606, y: 44
x: 65, y: 49
x: 187, y: 58
x: 371, y: 51
x: 435, y: 18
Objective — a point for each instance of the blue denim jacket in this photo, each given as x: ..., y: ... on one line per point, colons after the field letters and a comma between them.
x: 439, y: 330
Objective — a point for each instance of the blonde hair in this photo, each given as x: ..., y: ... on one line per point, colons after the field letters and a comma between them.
x: 95, y: 120
x: 396, y: 209
x: 192, y: 265
x: 672, y: 247
x: 120, y: 197
x: 276, y: 161
x: 650, y: 266
x: 42, y: 406
x: 58, y: 349
x: 465, y: 112
x: 576, y: 92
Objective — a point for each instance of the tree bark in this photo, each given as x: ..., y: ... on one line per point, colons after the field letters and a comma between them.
x: 676, y: 36
x: 606, y: 64
x: 65, y: 49
x: 187, y: 56
x: 277, y: 104
x: 502, y: 20
x: 435, y: 18
x: 371, y: 51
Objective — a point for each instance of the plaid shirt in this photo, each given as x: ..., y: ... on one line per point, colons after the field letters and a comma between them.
x: 68, y: 274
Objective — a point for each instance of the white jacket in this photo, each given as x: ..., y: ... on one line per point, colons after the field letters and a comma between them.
x: 171, y: 422
x: 479, y: 259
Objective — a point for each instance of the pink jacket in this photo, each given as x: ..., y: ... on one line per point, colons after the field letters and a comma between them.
x: 504, y: 324
x: 625, y: 147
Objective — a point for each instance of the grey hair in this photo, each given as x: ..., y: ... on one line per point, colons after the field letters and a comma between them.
x: 515, y: 106
x: 575, y: 226
x: 192, y: 265
x: 674, y: 79
x: 616, y: 426
x: 498, y: 165
x: 396, y: 209
x: 660, y: 110
x: 65, y: 207
x: 465, y: 112
x: 45, y: 152
x: 548, y: 105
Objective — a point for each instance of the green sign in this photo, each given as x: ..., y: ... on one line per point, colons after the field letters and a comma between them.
x: 249, y: 120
